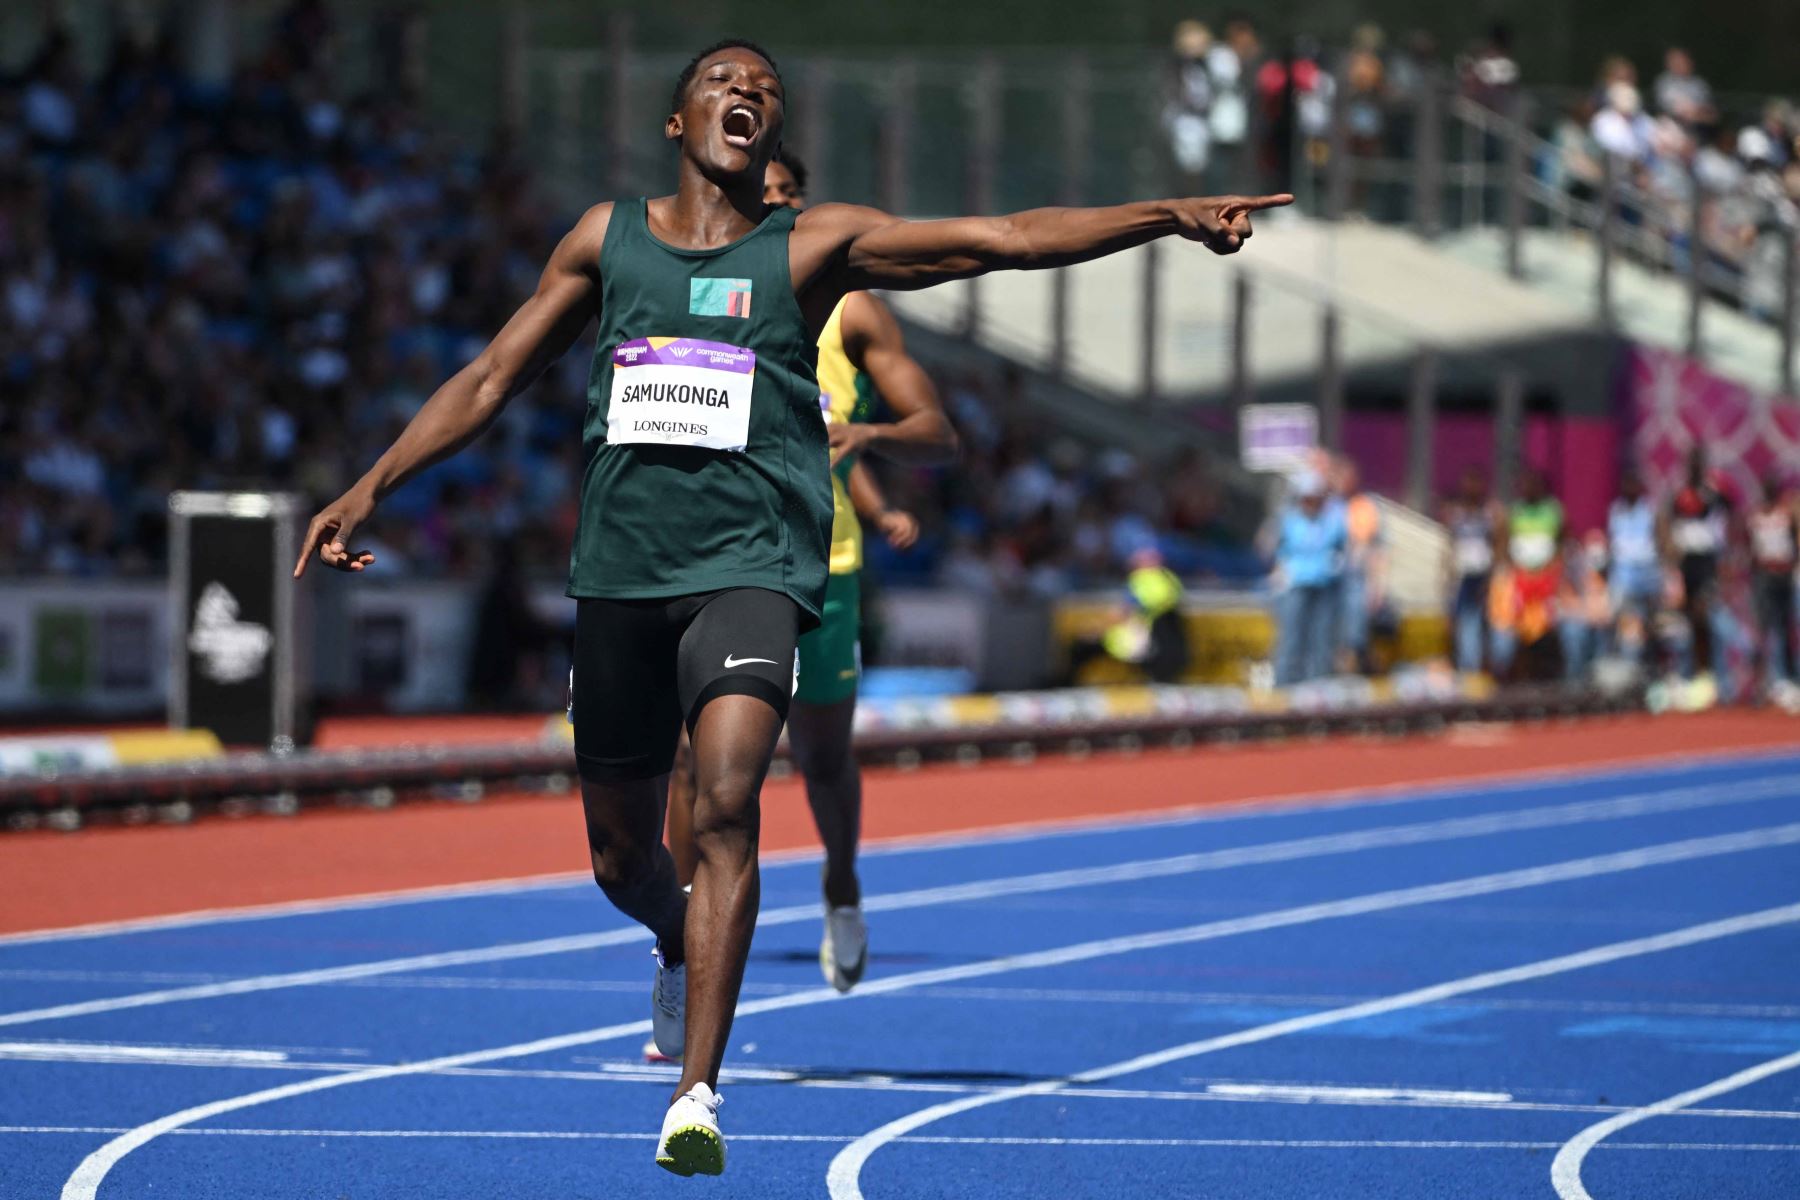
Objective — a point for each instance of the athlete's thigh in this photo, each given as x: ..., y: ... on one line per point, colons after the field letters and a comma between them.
x: 741, y: 642
x: 625, y: 691
x: 737, y: 677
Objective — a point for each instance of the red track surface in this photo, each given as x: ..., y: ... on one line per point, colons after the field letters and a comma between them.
x: 49, y: 880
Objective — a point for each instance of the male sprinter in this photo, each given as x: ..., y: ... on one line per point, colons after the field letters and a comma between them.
x: 700, y: 554
x: 861, y: 356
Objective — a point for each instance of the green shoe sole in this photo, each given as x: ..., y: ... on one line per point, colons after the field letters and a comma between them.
x: 693, y: 1150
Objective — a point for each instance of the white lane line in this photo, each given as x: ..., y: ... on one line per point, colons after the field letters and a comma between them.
x: 843, y: 1178
x: 1328, y: 1094
x: 637, y: 1071
x: 115, y: 1052
x: 996, y: 994
x: 1565, y: 1169
x: 1424, y: 791
x: 324, y: 975
x: 1288, y: 850
x: 86, y: 1179
x: 292, y: 908
x: 584, y: 1135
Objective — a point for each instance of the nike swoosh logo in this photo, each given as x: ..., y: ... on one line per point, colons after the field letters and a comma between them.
x: 731, y: 662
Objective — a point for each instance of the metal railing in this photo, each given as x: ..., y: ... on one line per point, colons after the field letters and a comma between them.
x: 1462, y: 166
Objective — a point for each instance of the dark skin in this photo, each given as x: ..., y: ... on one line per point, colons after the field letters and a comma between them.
x: 819, y: 735
x: 728, y: 128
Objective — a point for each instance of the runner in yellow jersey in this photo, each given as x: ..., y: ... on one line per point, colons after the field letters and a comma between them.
x: 862, y: 358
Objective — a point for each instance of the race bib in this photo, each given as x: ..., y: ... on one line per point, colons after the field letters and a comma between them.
x: 681, y: 392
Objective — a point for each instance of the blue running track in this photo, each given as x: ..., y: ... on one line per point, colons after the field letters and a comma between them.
x: 1581, y: 987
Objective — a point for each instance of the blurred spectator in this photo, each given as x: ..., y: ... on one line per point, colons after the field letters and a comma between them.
x: 1490, y: 76
x: 1149, y: 631
x: 1473, y: 520
x: 1584, y: 612
x: 1681, y: 93
x: 1620, y: 128
x: 1294, y: 95
x: 1365, y: 94
x: 1362, y: 590
x: 1522, y: 605
x: 1698, y: 523
x: 1187, y: 113
x: 1774, y: 553
x: 1307, y: 542
x: 1635, y: 568
x: 1576, y: 167
x: 1229, y: 64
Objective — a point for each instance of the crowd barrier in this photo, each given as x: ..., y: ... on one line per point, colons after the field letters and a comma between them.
x: 43, y: 785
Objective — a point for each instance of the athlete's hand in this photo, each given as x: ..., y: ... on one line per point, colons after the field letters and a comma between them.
x: 847, y: 439
x: 331, y: 530
x: 1222, y: 223
x: 901, y: 529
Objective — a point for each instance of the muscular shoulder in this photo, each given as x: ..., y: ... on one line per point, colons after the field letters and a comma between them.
x: 866, y: 321
x: 838, y: 224
x: 818, y: 250
x: 823, y: 234
x: 579, y: 251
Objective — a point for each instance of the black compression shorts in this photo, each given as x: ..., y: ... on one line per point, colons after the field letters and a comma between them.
x: 643, y: 667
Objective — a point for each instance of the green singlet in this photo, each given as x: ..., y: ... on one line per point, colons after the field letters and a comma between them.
x: 707, y: 462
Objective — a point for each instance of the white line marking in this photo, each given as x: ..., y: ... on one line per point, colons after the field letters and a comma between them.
x: 584, y: 1135
x: 1308, y: 1093
x: 86, y: 1179
x: 998, y: 994
x: 1380, y: 837
x: 292, y: 908
x: 324, y: 975
x: 637, y: 1071
x: 1273, y: 805
x: 843, y: 1176
x: 160, y: 1055
x: 1565, y: 1170
x: 840, y: 1138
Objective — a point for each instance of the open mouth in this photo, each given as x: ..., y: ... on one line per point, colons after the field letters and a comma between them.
x: 741, y: 125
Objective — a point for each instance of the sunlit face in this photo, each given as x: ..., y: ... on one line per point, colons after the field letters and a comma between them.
x: 781, y: 188
x: 732, y: 116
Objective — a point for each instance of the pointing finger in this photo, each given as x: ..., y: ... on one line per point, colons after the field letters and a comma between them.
x: 306, y: 547
x: 1258, y: 203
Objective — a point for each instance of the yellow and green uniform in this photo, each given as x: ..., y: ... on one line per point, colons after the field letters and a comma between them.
x: 830, y: 656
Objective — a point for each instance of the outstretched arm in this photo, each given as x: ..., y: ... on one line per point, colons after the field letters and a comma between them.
x: 536, y: 336
x: 873, y: 341
x: 865, y: 248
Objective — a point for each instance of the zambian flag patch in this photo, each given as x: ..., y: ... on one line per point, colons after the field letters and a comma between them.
x: 719, y: 298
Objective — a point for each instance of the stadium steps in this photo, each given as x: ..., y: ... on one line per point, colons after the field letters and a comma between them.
x: 1651, y: 305
x: 1396, y: 294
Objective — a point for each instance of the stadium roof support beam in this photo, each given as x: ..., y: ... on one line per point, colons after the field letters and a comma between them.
x: 1421, y: 421
x: 1790, y: 308
x: 1331, y: 378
